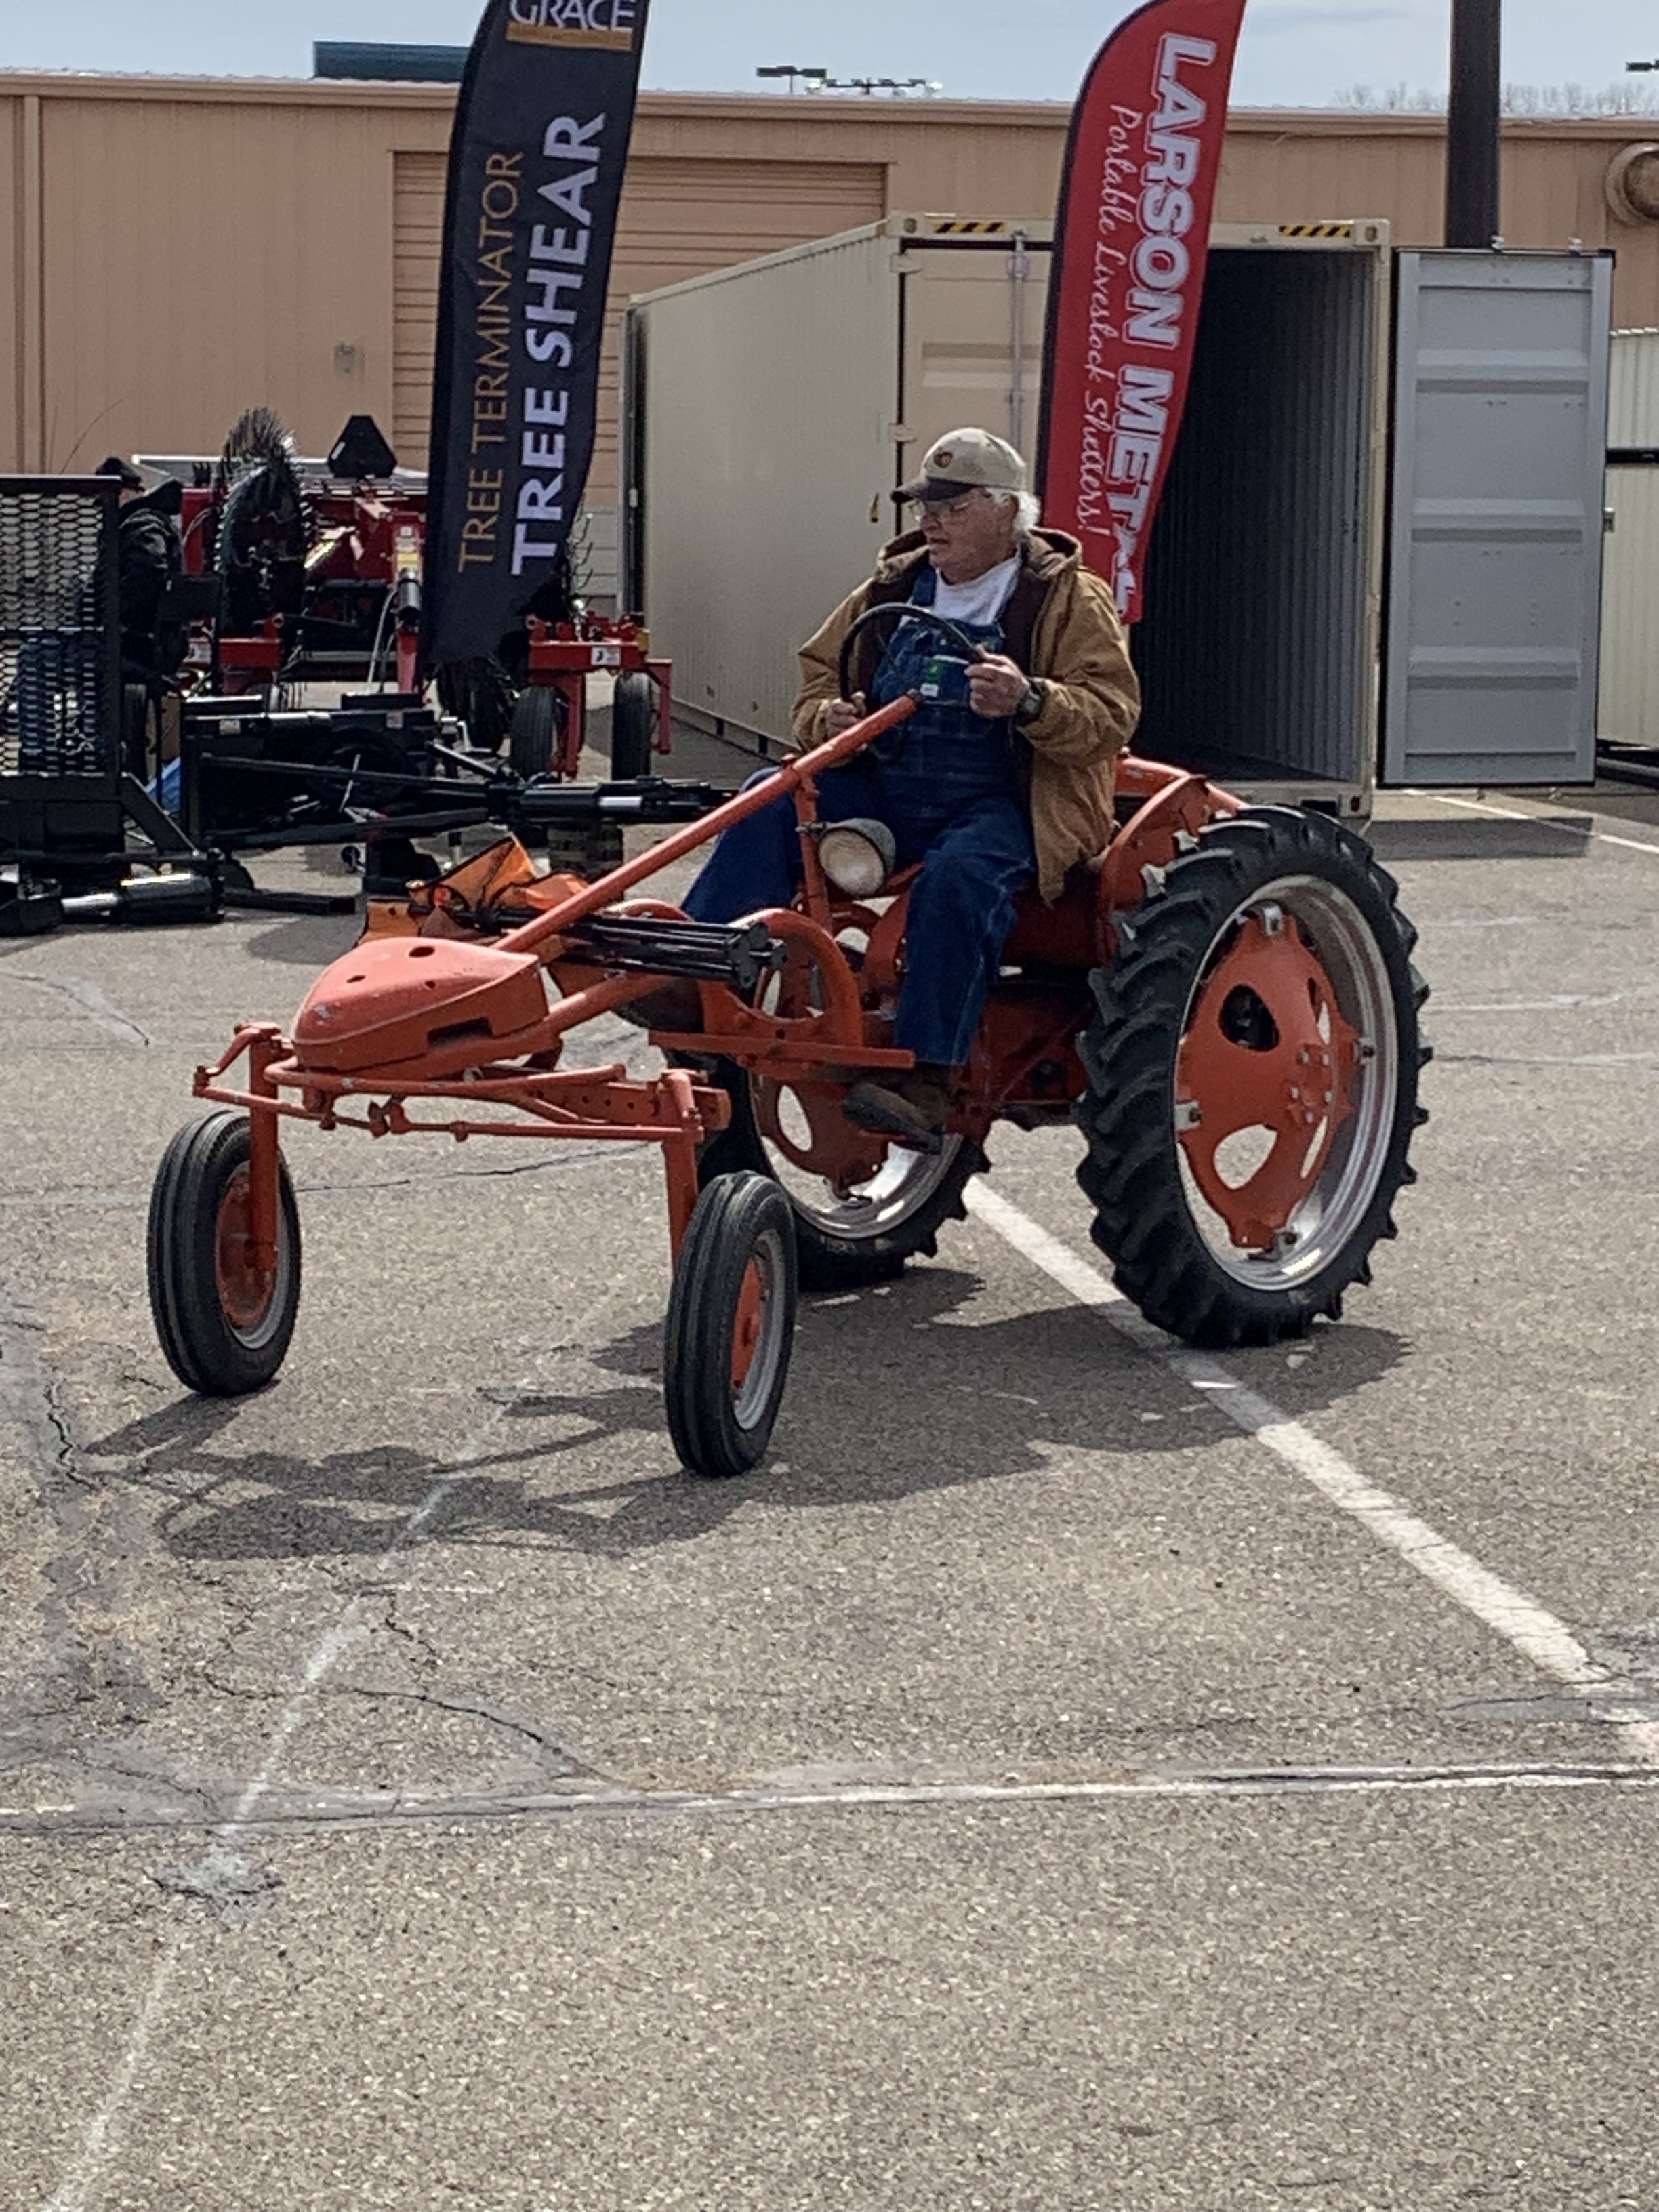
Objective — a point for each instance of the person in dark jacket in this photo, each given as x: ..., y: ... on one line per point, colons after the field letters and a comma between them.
x: 150, y: 555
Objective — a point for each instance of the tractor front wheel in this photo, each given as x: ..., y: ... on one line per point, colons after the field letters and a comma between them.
x: 1253, y: 1080
x: 224, y: 1312
x: 731, y: 1326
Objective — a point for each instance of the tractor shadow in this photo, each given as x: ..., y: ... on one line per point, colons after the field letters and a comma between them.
x: 309, y: 940
x: 895, y: 1392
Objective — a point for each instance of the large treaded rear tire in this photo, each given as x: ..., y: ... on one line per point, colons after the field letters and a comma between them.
x: 1149, y: 1218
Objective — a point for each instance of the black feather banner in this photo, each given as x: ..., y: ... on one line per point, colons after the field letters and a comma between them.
x: 536, y: 166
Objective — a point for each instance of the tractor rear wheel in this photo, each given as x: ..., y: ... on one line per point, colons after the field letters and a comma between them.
x: 633, y: 724
x: 224, y: 1320
x: 731, y: 1326
x: 850, y: 1230
x: 1253, y: 1080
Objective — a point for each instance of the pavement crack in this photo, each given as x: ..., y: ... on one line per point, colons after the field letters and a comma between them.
x: 31, y: 1398
x: 548, y: 1747
x: 570, y: 1156
x: 1545, y: 1059
x: 94, y: 1539
x: 86, y: 996
x: 244, y: 1692
x: 598, y: 1795
x: 423, y: 1644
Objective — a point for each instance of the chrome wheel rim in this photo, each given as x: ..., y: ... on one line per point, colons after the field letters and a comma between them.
x: 1342, y: 1189
x: 904, y: 1185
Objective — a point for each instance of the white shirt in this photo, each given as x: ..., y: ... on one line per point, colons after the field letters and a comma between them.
x: 980, y: 602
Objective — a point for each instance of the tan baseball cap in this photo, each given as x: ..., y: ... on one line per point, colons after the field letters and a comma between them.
x: 963, y: 459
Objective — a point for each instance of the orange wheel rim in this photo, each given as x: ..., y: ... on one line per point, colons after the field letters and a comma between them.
x: 746, y: 1328
x: 246, y: 1289
x: 1267, y: 1051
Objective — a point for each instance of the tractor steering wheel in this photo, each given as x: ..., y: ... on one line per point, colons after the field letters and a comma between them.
x: 901, y: 611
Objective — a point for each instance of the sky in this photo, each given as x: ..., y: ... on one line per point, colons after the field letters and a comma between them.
x: 1298, y: 53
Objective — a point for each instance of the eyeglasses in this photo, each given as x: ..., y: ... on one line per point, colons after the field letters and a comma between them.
x: 946, y: 510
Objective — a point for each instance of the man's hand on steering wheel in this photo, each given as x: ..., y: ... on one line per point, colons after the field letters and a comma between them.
x: 840, y: 714
x: 996, y: 686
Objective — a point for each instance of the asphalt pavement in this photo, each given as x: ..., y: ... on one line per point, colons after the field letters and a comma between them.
x: 1066, y: 1775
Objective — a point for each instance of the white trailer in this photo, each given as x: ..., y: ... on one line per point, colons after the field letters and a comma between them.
x: 1629, y: 635
x: 1379, y: 554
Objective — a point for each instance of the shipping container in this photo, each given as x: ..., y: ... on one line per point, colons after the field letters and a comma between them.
x: 1629, y: 635
x: 1379, y: 552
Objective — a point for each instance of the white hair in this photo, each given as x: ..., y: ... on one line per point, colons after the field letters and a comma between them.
x: 1027, y: 509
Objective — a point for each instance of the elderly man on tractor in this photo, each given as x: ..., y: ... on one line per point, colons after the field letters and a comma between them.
x: 1003, y: 777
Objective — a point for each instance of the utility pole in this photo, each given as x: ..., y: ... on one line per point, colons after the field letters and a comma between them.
x: 1474, y: 125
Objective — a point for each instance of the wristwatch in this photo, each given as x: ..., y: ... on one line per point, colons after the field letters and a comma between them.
x: 1029, y: 707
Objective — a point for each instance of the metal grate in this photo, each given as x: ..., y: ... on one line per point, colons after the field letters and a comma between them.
x: 60, y: 708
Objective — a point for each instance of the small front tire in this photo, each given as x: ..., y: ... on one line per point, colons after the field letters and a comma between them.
x: 223, y: 1322
x: 535, y: 731
x: 731, y: 1326
x: 633, y: 724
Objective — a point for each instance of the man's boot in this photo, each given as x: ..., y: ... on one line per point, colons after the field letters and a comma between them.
x: 913, y: 1107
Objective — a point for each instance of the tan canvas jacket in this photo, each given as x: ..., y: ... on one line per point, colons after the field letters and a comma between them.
x: 1063, y: 627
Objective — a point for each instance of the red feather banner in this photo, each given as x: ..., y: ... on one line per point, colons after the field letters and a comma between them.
x: 1131, y: 243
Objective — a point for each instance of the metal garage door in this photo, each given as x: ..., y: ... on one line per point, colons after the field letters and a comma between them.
x: 679, y: 218
x: 1495, y: 569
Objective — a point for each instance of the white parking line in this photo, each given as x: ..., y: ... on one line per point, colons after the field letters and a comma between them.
x: 1528, y: 1627
x: 357, y: 1812
x: 1543, y: 821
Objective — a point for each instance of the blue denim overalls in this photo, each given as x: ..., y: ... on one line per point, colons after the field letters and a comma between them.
x: 946, y: 757
x: 947, y: 785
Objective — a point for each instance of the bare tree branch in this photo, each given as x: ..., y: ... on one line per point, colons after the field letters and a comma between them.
x: 1519, y: 100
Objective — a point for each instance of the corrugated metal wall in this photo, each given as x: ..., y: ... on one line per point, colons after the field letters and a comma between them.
x: 1499, y: 453
x: 173, y: 251
x: 20, y: 314
x: 1256, y: 644
x: 1629, y: 603
x: 1633, y: 392
x: 767, y: 453
x: 679, y: 218
x: 1629, y: 712
x: 199, y: 251
x: 417, y: 234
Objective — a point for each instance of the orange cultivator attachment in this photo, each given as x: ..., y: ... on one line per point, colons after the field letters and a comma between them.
x: 424, y: 1010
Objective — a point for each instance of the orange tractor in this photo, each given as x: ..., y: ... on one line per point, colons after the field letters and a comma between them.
x: 1224, y: 1004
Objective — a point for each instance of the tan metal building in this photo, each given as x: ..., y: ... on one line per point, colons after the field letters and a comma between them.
x: 174, y: 251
